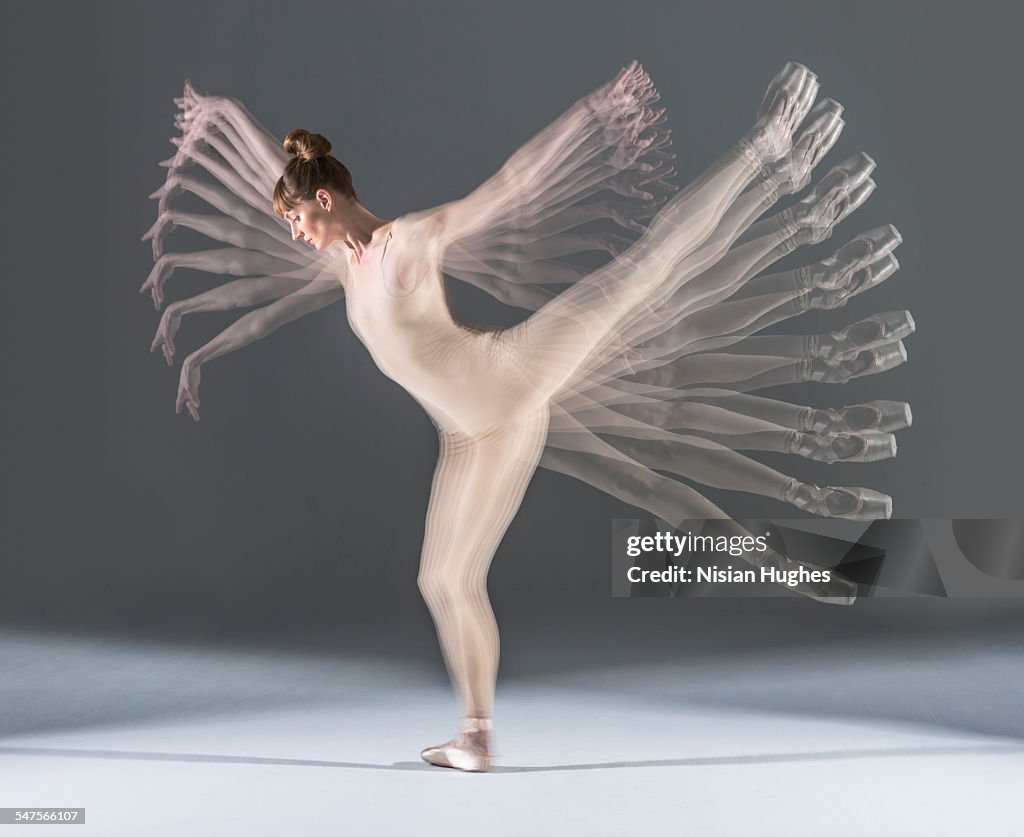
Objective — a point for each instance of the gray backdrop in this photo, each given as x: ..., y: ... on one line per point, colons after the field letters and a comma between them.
x: 299, y: 499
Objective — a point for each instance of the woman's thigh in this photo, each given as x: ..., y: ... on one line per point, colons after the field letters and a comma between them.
x: 478, y: 488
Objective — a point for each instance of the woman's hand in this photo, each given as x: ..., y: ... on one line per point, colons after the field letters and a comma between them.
x: 166, y: 222
x: 170, y: 322
x: 194, y: 105
x: 154, y: 284
x: 188, y: 387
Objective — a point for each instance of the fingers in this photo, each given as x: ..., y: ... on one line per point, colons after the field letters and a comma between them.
x: 166, y: 345
x: 153, y: 288
x: 187, y: 399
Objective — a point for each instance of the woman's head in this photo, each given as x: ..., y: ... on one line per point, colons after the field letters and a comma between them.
x: 311, y: 183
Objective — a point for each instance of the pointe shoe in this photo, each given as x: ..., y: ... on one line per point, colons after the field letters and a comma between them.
x: 835, y: 271
x: 881, y: 241
x: 868, y: 333
x: 470, y: 750
x: 786, y: 103
x: 865, y: 362
x: 871, y: 447
x: 847, y: 503
x: 832, y: 199
x: 879, y: 415
x: 792, y: 172
x: 837, y: 590
x: 835, y: 291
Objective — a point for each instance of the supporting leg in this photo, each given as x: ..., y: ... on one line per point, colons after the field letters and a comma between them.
x: 479, y: 484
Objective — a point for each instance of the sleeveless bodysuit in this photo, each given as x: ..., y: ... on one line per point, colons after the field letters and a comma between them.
x: 468, y: 381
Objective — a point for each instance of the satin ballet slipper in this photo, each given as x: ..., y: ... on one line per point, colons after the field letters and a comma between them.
x: 831, y: 200
x: 791, y: 172
x: 866, y: 334
x: 847, y: 503
x: 870, y: 447
x: 878, y: 415
x: 786, y: 103
x: 877, y: 242
x: 865, y: 362
x: 469, y: 751
x: 835, y: 271
x: 831, y: 295
x: 837, y: 590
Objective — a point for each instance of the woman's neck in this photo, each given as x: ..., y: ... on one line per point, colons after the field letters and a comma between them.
x: 360, y: 225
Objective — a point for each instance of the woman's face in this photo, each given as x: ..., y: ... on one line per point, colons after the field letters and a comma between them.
x: 311, y: 222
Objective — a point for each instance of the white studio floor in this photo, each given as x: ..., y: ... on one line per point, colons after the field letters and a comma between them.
x: 160, y: 738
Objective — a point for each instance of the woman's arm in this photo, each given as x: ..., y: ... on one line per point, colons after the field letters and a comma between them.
x: 263, y: 151
x: 241, y: 293
x: 317, y: 294
x: 599, y: 138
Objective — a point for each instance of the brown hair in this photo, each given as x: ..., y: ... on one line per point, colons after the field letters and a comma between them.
x: 310, y: 169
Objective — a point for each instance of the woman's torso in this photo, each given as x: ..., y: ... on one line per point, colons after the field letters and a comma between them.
x: 468, y: 381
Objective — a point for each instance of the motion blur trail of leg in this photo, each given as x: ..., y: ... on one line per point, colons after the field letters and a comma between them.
x: 649, y: 322
x: 478, y: 486
x: 560, y: 338
x: 604, y: 466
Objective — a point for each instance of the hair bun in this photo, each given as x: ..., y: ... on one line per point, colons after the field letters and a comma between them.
x: 307, y: 146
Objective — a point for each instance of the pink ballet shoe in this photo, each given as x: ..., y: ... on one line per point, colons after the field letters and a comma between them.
x: 880, y: 241
x: 866, y: 334
x: 829, y: 295
x: 876, y: 415
x: 837, y: 590
x: 785, y: 104
x: 834, y: 197
x: 846, y: 503
x: 865, y: 362
x: 792, y: 172
x: 871, y: 447
x: 469, y: 751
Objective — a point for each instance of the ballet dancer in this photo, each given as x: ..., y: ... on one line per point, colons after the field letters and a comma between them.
x: 645, y: 364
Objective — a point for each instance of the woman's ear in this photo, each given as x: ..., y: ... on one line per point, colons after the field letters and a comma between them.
x: 324, y: 198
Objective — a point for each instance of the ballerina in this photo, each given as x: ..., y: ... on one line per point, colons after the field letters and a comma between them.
x: 646, y: 363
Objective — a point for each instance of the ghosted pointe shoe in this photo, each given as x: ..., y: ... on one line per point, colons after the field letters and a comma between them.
x: 470, y: 750
x: 879, y: 415
x: 799, y: 577
x: 792, y: 172
x: 867, y: 247
x: 838, y: 591
x: 836, y: 271
x: 832, y: 199
x: 786, y: 103
x: 847, y: 503
x: 868, y: 447
x: 866, y: 334
x: 835, y: 294
x: 865, y: 362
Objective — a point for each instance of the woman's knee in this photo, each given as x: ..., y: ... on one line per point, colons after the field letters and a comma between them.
x: 447, y: 586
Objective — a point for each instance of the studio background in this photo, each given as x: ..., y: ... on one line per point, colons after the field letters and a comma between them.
x: 297, y: 503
